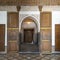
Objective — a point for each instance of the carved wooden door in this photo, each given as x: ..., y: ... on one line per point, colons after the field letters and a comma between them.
x: 28, y: 35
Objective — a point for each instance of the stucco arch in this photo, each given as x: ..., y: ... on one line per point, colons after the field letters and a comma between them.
x: 35, y: 27
x: 31, y: 17
x: 36, y: 33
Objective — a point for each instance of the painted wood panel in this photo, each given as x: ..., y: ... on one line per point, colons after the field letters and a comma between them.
x: 45, y: 32
x: 45, y: 19
x: 46, y: 46
x: 13, y: 20
x: 13, y: 34
x: 13, y: 31
x: 12, y: 46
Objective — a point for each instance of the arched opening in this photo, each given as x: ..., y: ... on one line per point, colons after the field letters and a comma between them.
x: 28, y: 41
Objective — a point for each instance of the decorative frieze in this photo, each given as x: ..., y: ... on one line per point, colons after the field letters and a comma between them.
x: 29, y: 2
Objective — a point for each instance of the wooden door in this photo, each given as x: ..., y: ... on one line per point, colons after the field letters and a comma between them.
x: 2, y: 37
x: 28, y: 35
x: 57, y: 37
x: 45, y: 32
x: 13, y: 31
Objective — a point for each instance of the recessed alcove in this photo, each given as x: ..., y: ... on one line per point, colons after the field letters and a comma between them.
x: 29, y: 23
x: 28, y: 41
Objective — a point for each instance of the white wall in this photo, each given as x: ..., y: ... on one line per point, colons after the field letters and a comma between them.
x: 55, y: 20
x: 3, y: 20
x: 29, y: 8
x: 8, y: 8
x: 51, y: 8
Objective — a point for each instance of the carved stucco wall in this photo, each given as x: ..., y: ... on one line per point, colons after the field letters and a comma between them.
x: 34, y: 14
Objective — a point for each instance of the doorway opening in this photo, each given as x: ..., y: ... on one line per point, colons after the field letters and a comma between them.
x: 28, y: 42
x: 2, y: 37
x: 28, y: 35
x: 56, y: 48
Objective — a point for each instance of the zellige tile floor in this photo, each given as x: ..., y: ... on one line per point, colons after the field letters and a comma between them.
x: 17, y: 56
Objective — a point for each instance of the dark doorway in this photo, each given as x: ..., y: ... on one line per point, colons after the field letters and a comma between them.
x: 57, y: 37
x: 28, y: 35
x: 28, y: 45
x: 2, y: 37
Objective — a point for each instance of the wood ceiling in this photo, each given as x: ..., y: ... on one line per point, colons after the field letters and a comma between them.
x: 30, y: 2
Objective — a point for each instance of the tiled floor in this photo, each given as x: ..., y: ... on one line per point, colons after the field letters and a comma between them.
x: 17, y: 56
x: 29, y: 48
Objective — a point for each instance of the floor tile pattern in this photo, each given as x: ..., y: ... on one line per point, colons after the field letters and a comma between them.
x: 17, y: 56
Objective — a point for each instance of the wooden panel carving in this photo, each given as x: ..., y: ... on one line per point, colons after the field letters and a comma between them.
x: 45, y: 19
x: 46, y: 45
x: 12, y: 46
x: 45, y: 24
x: 13, y: 34
x: 29, y: 2
x: 13, y: 31
x: 13, y: 20
x: 46, y: 34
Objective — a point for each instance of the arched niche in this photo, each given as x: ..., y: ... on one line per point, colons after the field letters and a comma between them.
x: 29, y: 23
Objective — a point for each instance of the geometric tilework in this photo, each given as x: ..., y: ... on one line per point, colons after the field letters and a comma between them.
x: 17, y: 56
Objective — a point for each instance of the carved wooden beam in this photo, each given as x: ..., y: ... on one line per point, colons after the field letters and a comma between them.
x: 40, y: 8
x: 29, y: 2
x: 18, y: 8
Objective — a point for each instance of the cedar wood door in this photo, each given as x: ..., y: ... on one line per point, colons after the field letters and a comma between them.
x: 57, y: 37
x: 28, y: 35
x: 2, y: 37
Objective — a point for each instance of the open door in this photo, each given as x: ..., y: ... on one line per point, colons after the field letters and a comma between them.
x: 2, y: 37
x: 57, y: 37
